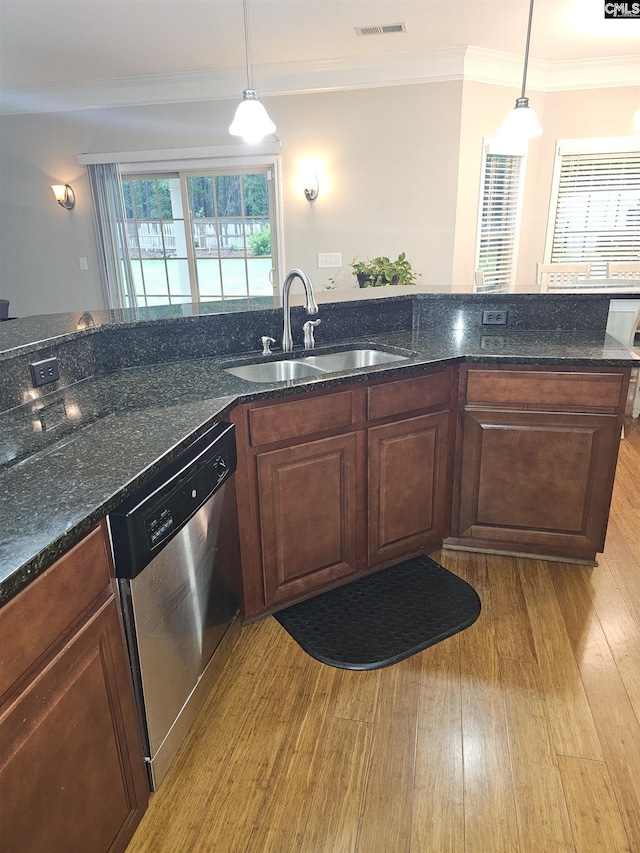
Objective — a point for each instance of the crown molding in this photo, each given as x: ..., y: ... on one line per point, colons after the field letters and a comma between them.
x: 428, y: 66
x: 505, y: 69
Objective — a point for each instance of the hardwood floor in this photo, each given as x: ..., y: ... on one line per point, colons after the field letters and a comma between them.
x: 521, y: 734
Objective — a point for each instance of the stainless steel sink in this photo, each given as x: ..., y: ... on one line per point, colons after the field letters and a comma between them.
x: 275, y: 371
x: 313, y: 365
x: 352, y: 359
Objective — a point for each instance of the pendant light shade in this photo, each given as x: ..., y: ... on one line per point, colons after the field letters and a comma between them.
x: 251, y: 120
x: 521, y: 124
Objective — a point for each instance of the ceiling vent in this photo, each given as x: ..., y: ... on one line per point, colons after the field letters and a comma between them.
x: 381, y: 29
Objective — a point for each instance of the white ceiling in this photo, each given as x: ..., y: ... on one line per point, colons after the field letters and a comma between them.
x: 45, y: 42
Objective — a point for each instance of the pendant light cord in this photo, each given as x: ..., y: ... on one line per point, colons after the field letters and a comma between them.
x: 526, y: 50
x: 246, y: 43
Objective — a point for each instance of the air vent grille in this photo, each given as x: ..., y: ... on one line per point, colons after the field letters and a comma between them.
x: 381, y: 29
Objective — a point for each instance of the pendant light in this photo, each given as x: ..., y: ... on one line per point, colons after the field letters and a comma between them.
x: 251, y: 120
x: 521, y: 124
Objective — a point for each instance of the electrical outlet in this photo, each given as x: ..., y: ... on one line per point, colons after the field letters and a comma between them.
x: 492, y: 343
x: 45, y: 371
x: 495, y: 318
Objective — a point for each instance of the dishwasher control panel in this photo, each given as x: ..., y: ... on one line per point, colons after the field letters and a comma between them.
x: 176, y: 507
x: 154, y: 514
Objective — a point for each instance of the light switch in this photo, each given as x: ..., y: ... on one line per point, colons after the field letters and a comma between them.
x: 329, y: 260
x: 83, y: 264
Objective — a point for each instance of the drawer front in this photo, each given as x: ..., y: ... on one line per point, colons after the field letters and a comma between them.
x: 34, y: 620
x: 532, y: 389
x: 409, y: 395
x: 300, y: 417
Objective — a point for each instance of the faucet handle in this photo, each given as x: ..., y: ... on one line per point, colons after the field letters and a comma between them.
x: 266, y: 344
x: 309, y: 326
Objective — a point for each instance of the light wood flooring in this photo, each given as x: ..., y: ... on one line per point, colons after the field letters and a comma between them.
x: 519, y: 735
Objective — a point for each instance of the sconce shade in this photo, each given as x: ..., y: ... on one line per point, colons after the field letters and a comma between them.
x: 251, y: 120
x: 636, y: 121
x: 64, y: 195
x: 311, y: 187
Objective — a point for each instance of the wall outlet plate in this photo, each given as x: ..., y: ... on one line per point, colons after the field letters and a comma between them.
x: 493, y: 343
x: 495, y: 318
x: 45, y: 371
x: 329, y: 260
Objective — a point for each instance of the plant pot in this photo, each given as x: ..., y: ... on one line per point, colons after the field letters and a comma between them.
x: 374, y: 281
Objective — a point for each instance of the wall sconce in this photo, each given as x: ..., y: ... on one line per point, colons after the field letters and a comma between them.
x: 64, y: 195
x: 85, y: 321
x: 311, y: 187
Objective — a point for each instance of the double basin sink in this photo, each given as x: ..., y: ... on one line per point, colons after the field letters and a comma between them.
x: 313, y: 365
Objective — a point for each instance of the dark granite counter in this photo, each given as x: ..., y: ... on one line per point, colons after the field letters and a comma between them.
x: 68, y: 457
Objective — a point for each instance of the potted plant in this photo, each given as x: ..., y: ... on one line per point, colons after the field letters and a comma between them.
x: 378, y: 272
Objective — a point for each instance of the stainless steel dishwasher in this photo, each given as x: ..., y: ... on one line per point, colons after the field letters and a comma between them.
x: 176, y: 552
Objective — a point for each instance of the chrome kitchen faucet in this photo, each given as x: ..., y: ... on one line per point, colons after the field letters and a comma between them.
x: 311, y: 306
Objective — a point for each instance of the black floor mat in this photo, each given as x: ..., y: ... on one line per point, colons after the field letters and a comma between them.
x: 384, y: 617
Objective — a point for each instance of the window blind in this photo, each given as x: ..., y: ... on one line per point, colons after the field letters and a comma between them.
x: 500, y: 210
x: 597, y: 214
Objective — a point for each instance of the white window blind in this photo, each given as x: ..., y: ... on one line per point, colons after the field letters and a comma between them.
x: 499, y: 221
x: 597, y: 212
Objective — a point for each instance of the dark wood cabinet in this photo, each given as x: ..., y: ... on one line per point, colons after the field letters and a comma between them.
x: 333, y: 484
x: 408, y: 472
x: 72, y: 775
x: 310, y: 514
x: 537, y: 456
x: 315, y: 471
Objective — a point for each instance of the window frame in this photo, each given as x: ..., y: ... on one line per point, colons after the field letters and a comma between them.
x: 575, y: 147
x: 490, y: 148
x: 235, y: 159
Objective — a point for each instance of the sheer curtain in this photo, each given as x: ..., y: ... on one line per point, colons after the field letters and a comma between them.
x: 111, y: 225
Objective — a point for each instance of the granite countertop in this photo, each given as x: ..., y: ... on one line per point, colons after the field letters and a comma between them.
x: 70, y: 457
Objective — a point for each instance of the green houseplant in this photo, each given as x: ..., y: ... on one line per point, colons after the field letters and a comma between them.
x: 378, y: 272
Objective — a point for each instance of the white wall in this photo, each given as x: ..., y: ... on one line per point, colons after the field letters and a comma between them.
x: 483, y: 108
x: 563, y: 115
x: 585, y: 114
x: 402, y: 165
x: 390, y: 156
x: 41, y: 242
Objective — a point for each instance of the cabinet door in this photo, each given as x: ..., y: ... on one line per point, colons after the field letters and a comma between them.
x: 407, y: 486
x: 536, y: 482
x: 72, y: 775
x: 309, y: 513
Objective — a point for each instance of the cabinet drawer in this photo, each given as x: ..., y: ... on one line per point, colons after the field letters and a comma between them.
x: 561, y: 390
x: 300, y: 417
x: 38, y: 616
x: 408, y: 395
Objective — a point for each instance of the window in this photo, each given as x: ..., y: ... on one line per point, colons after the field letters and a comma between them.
x: 499, y: 221
x: 231, y: 232
x: 595, y: 203
x: 201, y: 238
x: 195, y: 225
x: 156, y: 239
